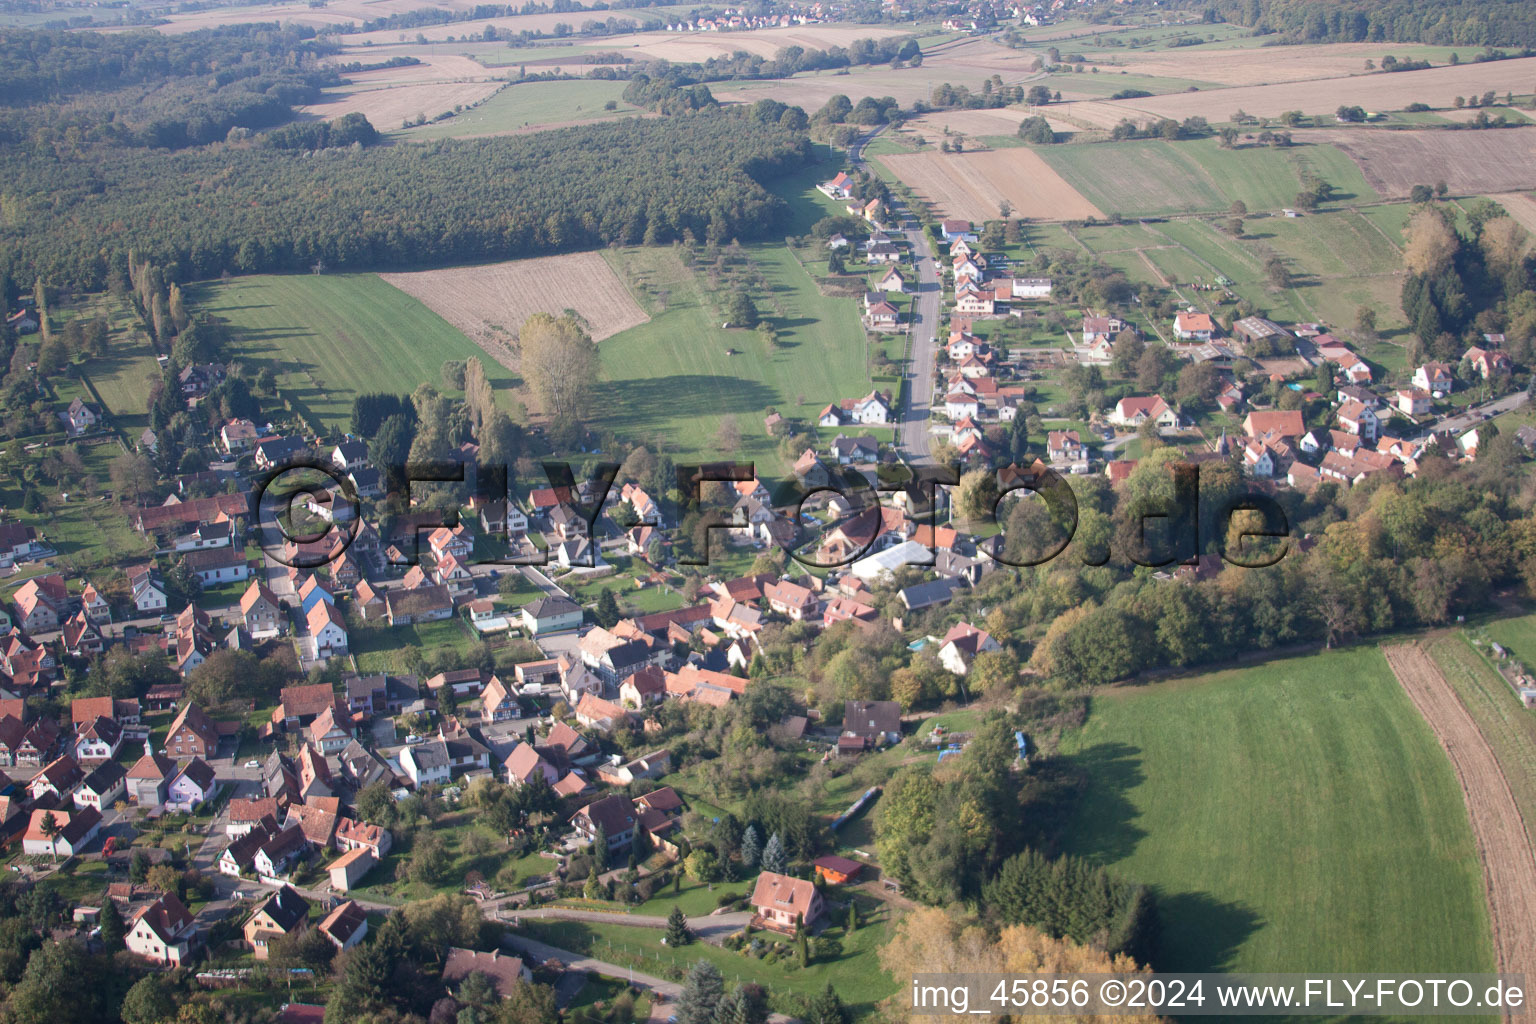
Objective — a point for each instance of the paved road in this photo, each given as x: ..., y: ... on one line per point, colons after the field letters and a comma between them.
x: 1476, y: 414
x: 925, y: 327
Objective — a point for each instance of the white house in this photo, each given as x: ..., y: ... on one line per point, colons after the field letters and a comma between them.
x: 1435, y: 378
x: 426, y: 763
x: 162, y: 931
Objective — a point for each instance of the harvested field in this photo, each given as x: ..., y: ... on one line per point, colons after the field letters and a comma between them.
x: 1470, y: 162
x: 348, y: 12
x: 388, y: 107
x: 972, y: 185
x: 1256, y: 65
x: 488, y: 302
x: 434, y: 67
x: 1435, y: 86
x: 1520, y: 206
x: 1508, y: 868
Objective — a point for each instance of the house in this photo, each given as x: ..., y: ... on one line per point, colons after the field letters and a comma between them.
x: 42, y: 603
x: 280, y: 852
x: 1189, y: 325
x: 262, y: 614
x: 218, y: 565
x: 148, y: 778
x: 147, y: 589
x: 1435, y: 378
x: 1065, y: 446
x: 1487, y: 363
x: 791, y: 600
x: 95, y: 607
x: 597, y: 713
x: 503, y: 971
x: 551, y: 615
x: 612, y: 816
x: 81, y: 416
x: 19, y: 544
x: 524, y: 762
x: 237, y: 436
x: 956, y: 230
x: 498, y: 702
x: 426, y: 763
x: 1412, y: 401
x: 880, y: 315
x: 782, y: 902
x: 873, y: 723
x: 98, y: 741
x: 350, y: 868
x: 328, y: 630
x: 429, y: 603
x: 57, y: 779
x: 281, y: 914
x: 330, y: 733
x: 272, y: 452
x: 192, y: 734
x: 892, y: 281
x: 162, y: 931
x: 1358, y: 419
x: 1134, y: 411
x: 193, y: 785
x: 838, y: 187
x: 848, y: 450
x: 244, y: 815
x: 1275, y: 423
x: 85, y: 710
x: 77, y: 830
x: 961, y: 645
x: 1101, y: 328
x: 647, y: 686
x: 346, y: 925
x: 649, y: 766
x: 959, y: 405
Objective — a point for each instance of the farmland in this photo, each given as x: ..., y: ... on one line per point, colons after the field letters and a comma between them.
x: 390, y: 106
x: 1251, y: 799
x: 974, y: 185
x: 331, y: 337
x: 488, y: 302
x: 1468, y: 162
x: 1154, y: 177
x: 531, y: 106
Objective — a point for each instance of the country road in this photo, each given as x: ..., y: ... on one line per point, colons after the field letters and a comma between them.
x: 924, y: 329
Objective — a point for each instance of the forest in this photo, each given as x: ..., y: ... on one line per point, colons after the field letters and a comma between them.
x: 75, y: 211
x: 1434, y: 22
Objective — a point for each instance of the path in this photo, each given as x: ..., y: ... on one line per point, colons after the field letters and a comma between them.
x: 711, y: 928
x: 1509, y: 871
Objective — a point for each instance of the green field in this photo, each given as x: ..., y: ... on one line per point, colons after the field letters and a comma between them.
x: 528, y: 104
x: 672, y: 381
x: 1150, y: 177
x: 1292, y: 817
x: 1507, y: 725
x: 330, y: 337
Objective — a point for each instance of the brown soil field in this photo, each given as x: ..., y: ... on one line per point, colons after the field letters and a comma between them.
x: 1435, y: 86
x: 489, y: 302
x: 387, y: 107
x: 434, y: 67
x: 1519, y: 205
x: 972, y: 185
x: 1495, y: 160
x: 343, y: 12
x: 1509, y: 871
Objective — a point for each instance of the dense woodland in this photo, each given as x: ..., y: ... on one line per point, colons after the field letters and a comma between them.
x: 75, y: 211
x: 1437, y: 22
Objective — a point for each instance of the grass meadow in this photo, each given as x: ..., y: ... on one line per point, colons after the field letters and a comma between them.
x: 1152, y: 177
x: 330, y: 337
x: 1295, y: 816
x: 674, y: 381
x: 529, y: 105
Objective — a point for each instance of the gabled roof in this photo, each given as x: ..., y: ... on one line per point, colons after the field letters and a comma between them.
x: 343, y: 922
x: 782, y: 893
x: 167, y: 917
x: 285, y: 908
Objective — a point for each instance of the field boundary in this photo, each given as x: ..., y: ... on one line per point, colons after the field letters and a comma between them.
x: 1509, y: 870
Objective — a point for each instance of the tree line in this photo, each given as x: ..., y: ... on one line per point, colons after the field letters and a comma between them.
x: 1435, y: 22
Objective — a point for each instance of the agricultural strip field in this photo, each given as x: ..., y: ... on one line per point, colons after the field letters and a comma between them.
x: 1152, y: 177
x: 974, y: 185
x: 1383, y: 91
x: 1519, y: 205
x: 490, y: 301
x: 1470, y: 162
x: 1509, y: 870
x: 531, y: 106
x: 1261, y: 803
x: 388, y: 106
x: 331, y: 337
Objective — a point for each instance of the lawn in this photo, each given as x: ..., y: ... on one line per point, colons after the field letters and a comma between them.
x: 89, y: 533
x: 528, y: 104
x: 123, y: 376
x: 673, y: 382
x: 330, y: 337
x: 1148, y: 177
x: 1508, y: 726
x: 1291, y: 817
x: 854, y: 972
x: 470, y: 847
x: 381, y: 648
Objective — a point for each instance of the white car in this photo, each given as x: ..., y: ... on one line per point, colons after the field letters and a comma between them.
x: 253, y: 764
x: 413, y: 738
